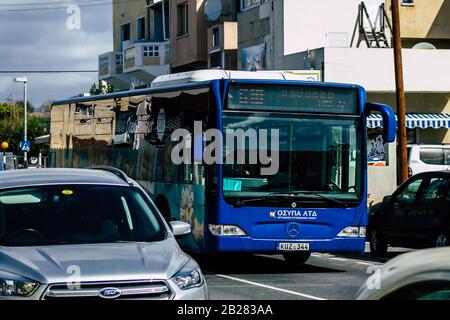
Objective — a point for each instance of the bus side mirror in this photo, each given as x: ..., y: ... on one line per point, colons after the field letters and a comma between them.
x: 389, y: 120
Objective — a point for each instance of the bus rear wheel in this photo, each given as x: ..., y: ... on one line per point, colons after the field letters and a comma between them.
x: 296, y: 258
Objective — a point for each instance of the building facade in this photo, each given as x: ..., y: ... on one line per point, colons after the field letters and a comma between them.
x: 156, y: 37
x: 347, y: 47
x: 348, y: 41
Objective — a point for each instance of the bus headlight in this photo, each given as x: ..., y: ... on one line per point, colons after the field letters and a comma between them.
x: 226, y: 230
x: 353, y: 232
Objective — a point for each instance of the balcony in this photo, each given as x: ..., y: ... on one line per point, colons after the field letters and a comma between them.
x: 110, y: 69
x: 146, y: 60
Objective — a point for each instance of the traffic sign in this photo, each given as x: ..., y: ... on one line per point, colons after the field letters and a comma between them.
x: 25, y: 146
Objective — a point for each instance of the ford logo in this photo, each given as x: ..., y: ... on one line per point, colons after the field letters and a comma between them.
x: 109, y: 293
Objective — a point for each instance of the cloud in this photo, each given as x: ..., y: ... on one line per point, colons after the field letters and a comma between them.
x: 40, y: 40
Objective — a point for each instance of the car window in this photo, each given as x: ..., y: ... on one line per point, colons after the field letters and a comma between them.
x: 434, y: 190
x: 433, y: 156
x: 433, y: 290
x: 52, y: 215
x: 408, y: 194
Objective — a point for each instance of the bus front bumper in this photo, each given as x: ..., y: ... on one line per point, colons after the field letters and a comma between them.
x: 271, y: 246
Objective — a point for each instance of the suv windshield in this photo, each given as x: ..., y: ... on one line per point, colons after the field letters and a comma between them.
x: 52, y: 215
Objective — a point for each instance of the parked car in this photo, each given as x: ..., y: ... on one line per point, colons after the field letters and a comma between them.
x: 425, y: 158
x: 85, y: 233
x: 417, y: 215
x: 417, y: 275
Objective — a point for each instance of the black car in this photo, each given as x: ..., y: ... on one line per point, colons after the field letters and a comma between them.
x: 417, y: 215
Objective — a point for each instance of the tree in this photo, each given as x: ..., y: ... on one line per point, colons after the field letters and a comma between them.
x: 30, y: 106
x: 11, y: 126
x: 103, y: 87
x: 46, y: 106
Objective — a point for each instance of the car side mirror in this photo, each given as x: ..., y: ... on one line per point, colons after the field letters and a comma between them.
x: 180, y: 229
x: 387, y: 199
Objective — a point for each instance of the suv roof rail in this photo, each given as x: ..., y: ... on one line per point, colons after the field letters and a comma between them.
x: 122, y: 175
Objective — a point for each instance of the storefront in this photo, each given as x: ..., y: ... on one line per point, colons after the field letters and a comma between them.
x: 422, y: 128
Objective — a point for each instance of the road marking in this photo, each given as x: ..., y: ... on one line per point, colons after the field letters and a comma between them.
x: 340, y: 259
x: 270, y: 287
x: 351, y: 260
x: 369, y: 263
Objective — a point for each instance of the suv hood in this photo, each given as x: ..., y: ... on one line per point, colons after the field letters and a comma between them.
x: 95, y: 262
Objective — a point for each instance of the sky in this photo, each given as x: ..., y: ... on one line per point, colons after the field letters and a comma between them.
x: 52, y: 40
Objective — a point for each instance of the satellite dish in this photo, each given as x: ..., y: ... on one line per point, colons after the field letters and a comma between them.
x: 424, y: 45
x: 213, y: 9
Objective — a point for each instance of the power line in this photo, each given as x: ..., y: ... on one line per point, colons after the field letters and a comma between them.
x: 43, y: 3
x: 60, y: 7
x: 97, y: 3
x: 46, y: 71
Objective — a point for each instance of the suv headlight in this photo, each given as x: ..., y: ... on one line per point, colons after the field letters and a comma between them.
x: 188, y: 277
x: 17, y: 288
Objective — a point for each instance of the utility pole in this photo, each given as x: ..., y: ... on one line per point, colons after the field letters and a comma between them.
x: 25, y: 130
x: 24, y: 80
x: 400, y: 93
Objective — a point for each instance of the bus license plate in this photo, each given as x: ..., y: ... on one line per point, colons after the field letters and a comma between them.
x: 289, y: 246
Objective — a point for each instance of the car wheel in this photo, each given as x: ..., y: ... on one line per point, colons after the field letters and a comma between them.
x: 441, y: 241
x: 297, y: 258
x: 378, y: 245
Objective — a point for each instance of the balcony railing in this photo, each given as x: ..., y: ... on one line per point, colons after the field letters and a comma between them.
x: 149, y: 57
x: 110, y: 64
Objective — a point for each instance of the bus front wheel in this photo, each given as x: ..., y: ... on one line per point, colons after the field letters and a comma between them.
x: 378, y: 245
x: 296, y: 258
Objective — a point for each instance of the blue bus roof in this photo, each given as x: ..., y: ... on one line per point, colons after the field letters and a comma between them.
x: 193, y: 85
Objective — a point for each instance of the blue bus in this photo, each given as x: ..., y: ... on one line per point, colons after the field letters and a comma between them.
x: 314, y: 201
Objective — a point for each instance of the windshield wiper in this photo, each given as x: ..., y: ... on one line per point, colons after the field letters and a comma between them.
x: 241, y: 203
x: 318, y: 194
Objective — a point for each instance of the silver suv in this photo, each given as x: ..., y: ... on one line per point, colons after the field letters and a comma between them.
x: 89, y: 233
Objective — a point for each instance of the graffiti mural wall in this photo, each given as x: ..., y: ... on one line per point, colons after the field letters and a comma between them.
x: 134, y: 134
x: 377, y: 151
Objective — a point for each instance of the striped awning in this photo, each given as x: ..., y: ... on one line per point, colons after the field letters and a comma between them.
x: 415, y: 120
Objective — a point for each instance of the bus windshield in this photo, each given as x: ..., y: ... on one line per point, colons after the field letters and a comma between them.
x: 317, y: 154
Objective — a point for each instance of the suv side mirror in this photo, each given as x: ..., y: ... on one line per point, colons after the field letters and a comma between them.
x: 180, y: 229
x: 387, y: 199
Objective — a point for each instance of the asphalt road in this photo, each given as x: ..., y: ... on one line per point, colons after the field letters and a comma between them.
x: 261, y: 277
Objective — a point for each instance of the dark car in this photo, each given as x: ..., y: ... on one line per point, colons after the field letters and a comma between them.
x: 417, y: 215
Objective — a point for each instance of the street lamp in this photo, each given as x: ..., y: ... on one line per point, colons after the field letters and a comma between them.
x: 24, y: 80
